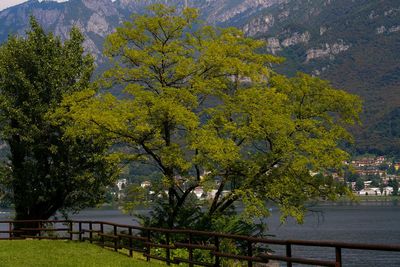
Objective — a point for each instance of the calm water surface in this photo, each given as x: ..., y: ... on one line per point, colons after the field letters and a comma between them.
x: 361, y: 223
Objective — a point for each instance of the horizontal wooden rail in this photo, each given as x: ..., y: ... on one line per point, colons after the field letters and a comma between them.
x: 178, y: 260
x: 43, y: 229
x: 144, y: 239
x: 194, y: 246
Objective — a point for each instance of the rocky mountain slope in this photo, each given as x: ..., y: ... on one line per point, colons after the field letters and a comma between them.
x: 98, y: 18
x: 353, y: 43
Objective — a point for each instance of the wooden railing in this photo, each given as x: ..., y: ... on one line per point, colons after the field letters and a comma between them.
x: 146, y: 239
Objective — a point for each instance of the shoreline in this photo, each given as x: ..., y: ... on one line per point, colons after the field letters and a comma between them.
x: 361, y: 201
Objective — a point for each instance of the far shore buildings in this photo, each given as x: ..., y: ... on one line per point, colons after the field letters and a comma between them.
x: 369, y: 166
x: 375, y: 166
x: 145, y: 184
x: 369, y: 162
x: 365, y: 167
x: 374, y: 191
x: 372, y: 166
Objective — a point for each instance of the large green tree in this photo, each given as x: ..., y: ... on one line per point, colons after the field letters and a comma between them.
x: 205, y: 107
x: 47, y: 172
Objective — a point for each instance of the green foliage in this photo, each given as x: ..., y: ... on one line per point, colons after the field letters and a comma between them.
x: 359, y: 184
x: 188, y: 217
x: 395, y: 184
x: 396, y: 188
x: 135, y: 196
x: 351, y: 175
x: 202, y: 104
x: 375, y: 180
x: 48, y: 171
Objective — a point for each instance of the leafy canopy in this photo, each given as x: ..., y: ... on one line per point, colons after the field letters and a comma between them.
x: 47, y: 171
x: 204, y: 106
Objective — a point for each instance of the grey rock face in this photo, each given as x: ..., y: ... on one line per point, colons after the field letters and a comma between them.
x: 104, y: 7
x: 273, y: 45
x: 98, y: 25
x: 224, y: 10
x: 259, y: 25
x: 98, y: 18
x: 47, y: 17
x: 328, y: 50
x: 297, y: 38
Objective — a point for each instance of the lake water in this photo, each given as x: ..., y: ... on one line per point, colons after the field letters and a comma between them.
x: 361, y: 224
x: 357, y: 223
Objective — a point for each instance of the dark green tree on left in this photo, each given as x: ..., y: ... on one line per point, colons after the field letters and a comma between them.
x: 47, y: 171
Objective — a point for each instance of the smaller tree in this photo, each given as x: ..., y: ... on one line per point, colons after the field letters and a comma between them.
x: 375, y: 180
x: 395, y: 184
x: 396, y: 188
x: 359, y: 184
x: 391, y: 169
x: 47, y: 171
x: 351, y: 176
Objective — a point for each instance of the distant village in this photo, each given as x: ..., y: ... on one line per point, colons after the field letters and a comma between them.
x: 200, y: 192
x: 366, y: 176
x: 373, y: 176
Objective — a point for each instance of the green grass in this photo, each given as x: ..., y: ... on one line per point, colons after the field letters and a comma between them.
x: 27, y: 253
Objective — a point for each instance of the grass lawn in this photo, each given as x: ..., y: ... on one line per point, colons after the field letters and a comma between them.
x: 29, y: 253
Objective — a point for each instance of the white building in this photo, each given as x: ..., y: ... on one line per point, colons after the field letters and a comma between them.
x: 199, y: 191
x: 121, y: 184
x: 373, y: 191
x: 388, y: 190
x: 145, y: 184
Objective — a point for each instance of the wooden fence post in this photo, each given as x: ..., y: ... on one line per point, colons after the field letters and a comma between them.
x: 71, y: 228
x: 190, y: 250
x: 288, y: 254
x: 91, y: 233
x: 338, y: 252
x: 40, y: 224
x: 116, y: 239
x: 130, y: 242
x: 167, y: 250
x: 10, y: 231
x: 249, y: 253
x: 217, y: 262
x: 102, y: 233
x: 80, y: 231
x: 148, y: 246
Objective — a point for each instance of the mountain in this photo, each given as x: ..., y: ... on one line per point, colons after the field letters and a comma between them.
x: 353, y: 43
x: 98, y: 18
